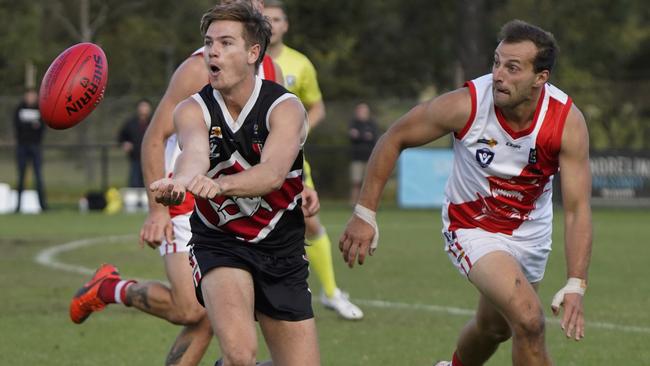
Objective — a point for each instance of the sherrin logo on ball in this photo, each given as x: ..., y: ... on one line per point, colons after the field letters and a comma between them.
x: 73, y: 85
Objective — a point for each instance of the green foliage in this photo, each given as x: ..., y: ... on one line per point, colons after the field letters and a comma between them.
x: 20, y: 42
x: 361, y: 49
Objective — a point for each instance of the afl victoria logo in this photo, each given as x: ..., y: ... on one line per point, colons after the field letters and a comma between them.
x: 484, y: 157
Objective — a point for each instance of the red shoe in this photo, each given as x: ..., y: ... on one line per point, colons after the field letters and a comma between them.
x: 86, y: 300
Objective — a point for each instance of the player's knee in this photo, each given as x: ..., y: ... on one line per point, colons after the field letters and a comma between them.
x: 531, y: 326
x: 498, y: 333
x: 188, y: 315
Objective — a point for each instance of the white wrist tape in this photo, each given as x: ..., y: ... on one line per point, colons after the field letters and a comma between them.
x: 573, y: 286
x: 368, y: 216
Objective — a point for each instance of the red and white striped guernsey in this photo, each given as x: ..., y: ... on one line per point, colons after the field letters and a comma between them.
x: 265, y: 71
x: 502, y: 180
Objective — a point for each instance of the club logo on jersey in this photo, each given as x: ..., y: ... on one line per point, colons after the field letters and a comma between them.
x: 291, y: 80
x: 490, y: 142
x: 258, y: 143
x: 258, y: 146
x: 234, y: 208
x: 532, y: 156
x: 484, y: 157
x: 215, y: 134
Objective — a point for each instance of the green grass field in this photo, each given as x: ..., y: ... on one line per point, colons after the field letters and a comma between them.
x: 415, y: 301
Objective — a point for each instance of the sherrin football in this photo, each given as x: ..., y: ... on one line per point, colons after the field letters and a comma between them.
x: 73, y: 85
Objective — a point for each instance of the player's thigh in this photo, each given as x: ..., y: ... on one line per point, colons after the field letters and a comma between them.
x: 500, y: 279
x: 179, y: 275
x: 229, y: 299
x: 291, y: 343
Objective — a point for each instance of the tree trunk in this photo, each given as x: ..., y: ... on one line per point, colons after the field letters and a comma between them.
x: 470, y: 46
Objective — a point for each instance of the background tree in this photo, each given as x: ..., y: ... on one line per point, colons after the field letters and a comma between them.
x: 365, y: 49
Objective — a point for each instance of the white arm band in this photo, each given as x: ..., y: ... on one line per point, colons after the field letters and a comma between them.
x: 368, y: 216
x: 573, y: 286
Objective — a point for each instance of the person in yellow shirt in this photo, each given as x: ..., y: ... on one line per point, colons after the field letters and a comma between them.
x: 300, y: 79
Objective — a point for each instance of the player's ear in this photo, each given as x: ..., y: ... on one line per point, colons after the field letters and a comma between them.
x: 542, y: 77
x: 254, y: 53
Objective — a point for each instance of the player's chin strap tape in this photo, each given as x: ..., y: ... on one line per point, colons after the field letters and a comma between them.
x: 573, y: 286
x: 368, y: 216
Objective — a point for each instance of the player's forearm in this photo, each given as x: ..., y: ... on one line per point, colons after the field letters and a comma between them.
x: 152, y: 165
x: 189, y: 164
x: 257, y: 181
x: 316, y: 114
x: 578, y: 241
x: 380, y: 166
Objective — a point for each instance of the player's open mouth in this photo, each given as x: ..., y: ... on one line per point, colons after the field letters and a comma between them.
x: 214, y: 69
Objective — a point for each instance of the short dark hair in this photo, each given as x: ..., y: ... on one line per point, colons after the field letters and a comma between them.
x: 257, y: 29
x: 547, y: 49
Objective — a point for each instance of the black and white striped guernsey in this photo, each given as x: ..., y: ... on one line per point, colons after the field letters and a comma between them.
x: 272, y: 222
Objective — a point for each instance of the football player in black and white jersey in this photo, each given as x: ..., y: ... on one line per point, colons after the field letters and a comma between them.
x: 241, y: 141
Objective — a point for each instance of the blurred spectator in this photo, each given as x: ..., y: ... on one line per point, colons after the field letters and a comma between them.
x: 29, y: 135
x: 363, y: 134
x: 130, y: 138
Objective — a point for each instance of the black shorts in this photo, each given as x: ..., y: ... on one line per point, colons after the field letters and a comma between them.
x: 280, y: 283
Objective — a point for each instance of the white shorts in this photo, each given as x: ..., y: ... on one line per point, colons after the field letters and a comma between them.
x: 182, y: 235
x: 466, y: 246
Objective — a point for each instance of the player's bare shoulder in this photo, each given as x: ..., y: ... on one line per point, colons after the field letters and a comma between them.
x: 290, y: 117
x: 188, y: 110
x: 189, y: 77
x: 450, y: 111
x: 291, y: 104
x: 457, y: 108
x: 575, y: 135
x: 575, y: 118
x: 288, y: 110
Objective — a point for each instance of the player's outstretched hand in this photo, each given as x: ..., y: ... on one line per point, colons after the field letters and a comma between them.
x: 156, y: 226
x: 573, y: 320
x: 168, y: 191
x: 310, y: 202
x: 204, y: 187
x: 355, y: 240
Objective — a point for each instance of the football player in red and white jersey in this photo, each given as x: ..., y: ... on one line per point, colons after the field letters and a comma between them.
x: 512, y: 132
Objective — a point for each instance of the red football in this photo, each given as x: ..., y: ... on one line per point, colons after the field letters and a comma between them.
x: 73, y: 85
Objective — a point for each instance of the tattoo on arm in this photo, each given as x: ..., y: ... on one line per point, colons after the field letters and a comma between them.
x: 178, y: 350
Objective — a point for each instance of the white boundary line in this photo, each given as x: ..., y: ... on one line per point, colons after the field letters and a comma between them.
x: 47, y: 258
